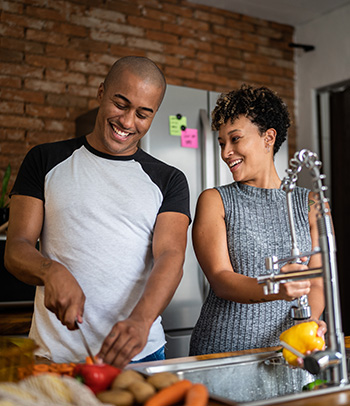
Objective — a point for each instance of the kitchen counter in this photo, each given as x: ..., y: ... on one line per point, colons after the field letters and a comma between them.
x: 15, y: 321
x: 340, y: 397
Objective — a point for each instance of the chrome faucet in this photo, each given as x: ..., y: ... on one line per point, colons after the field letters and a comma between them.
x: 333, y: 358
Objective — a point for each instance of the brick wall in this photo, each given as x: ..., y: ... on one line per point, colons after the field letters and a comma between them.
x: 54, y: 54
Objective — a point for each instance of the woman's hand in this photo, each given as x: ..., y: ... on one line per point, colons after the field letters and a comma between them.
x: 292, y: 290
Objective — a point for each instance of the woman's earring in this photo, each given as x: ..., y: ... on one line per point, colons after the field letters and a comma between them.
x: 268, y: 147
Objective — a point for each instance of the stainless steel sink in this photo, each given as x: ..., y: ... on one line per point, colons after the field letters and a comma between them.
x: 254, y: 379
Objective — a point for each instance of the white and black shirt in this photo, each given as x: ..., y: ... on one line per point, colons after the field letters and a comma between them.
x: 100, y: 213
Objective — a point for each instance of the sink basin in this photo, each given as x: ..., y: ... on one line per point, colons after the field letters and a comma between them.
x: 254, y: 379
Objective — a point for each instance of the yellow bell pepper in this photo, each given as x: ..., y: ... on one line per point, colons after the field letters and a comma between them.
x: 303, y: 337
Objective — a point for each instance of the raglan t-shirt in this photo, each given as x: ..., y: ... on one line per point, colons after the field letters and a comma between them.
x: 100, y: 213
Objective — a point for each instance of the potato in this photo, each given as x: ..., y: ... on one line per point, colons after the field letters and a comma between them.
x: 142, y: 391
x: 162, y: 379
x: 118, y: 397
x: 126, y: 378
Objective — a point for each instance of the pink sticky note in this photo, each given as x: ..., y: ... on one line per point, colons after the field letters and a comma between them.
x: 189, y: 138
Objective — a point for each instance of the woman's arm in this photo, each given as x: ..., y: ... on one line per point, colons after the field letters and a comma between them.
x: 210, y: 245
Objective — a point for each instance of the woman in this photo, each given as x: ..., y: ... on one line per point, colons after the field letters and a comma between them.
x: 237, y: 225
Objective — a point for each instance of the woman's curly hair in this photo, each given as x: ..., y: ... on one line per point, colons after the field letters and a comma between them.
x: 261, y: 106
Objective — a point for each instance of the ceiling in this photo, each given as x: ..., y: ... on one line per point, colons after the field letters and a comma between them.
x: 290, y: 12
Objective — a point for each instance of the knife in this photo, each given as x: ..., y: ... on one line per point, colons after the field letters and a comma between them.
x: 86, y: 345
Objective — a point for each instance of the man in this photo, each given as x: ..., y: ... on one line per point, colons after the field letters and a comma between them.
x: 112, y: 223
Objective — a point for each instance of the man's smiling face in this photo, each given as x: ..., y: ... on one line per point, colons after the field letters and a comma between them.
x: 127, y: 107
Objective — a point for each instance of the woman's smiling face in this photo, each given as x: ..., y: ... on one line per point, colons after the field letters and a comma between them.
x: 243, y: 148
x: 127, y: 107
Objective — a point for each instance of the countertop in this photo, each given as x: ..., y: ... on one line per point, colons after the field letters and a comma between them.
x: 15, y: 321
x: 341, y: 397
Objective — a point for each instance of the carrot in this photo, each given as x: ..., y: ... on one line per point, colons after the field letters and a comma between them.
x: 197, y: 395
x: 170, y: 395
x: 41, y: 368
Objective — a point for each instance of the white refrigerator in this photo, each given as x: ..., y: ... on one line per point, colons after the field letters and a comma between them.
x: 196, y: 153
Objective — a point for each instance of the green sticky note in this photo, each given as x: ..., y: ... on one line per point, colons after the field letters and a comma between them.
x: 176, y: 123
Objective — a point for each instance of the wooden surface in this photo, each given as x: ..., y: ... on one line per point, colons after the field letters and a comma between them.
x: 15, y: 321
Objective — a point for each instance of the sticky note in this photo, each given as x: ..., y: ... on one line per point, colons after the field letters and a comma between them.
x: 175, y: 124
x: 189, y: 138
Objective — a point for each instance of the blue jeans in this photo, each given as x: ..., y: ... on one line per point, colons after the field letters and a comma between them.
x: 156, y: 356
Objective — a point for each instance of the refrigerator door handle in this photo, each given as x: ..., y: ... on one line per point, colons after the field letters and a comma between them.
x: 209, y: 170
x: 209, y: 162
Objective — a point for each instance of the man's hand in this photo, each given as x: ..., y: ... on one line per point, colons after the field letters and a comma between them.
x: 63, y: 295
x: 126, y: 339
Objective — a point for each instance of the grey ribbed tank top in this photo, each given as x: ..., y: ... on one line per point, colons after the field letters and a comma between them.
x: 257, y: 226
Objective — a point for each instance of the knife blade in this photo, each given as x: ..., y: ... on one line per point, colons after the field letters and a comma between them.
x: 86, y: 345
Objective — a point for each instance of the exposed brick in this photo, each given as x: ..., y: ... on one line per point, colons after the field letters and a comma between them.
x: 107, y: 59
x: 7, y: 30
x: 244, y: 45
x: 64, y: 52
x: 177, y: 10
x: 162, y: 37
x: 87, y: 45
x: 45, y: 13
x: 36, y: 110
x: 227, y: 32
x: 120, y: 51
x: 159, y: 15
x: 212, y: 58
x: 60, y: 126
x: 84, y: 91
x: 21, y: 20
x: 256, y: 77
x: 45, y: 86
x: 195, y: 25
x: 12, y: 121
x: 144, y: 44
x: 21, y: 45
x: 66, y: 100
x: 197, y: 66
x: 11, y: 56
x: 107, y: 14
x: 178, y: 30
x: 11, y: 107
x: 12, y: 134
x: 209, y: 17
x: 67, y: 29
x: 95, y: 81
x: 164, y: 59
x: 65, y: 77
x: 45, y: 61
x: 275, y: 53
x: 22, y: 70
x: 193, y: 43
x: 22, y: 95
x: 45, y: 36
x: 12, y: 7
x: 107, y: 37
x: 10, y: 81
x: 13, y: 148
x: 40, y: 137
x: 180, y: 51
x: 146, y: 23
x: 88, y: 67
x: 181, y: 73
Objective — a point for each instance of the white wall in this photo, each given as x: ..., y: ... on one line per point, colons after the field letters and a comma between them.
x: 328, y: 64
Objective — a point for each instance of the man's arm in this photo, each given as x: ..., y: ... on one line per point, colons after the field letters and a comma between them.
x: 63, y: 295
x: 128, y: 337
